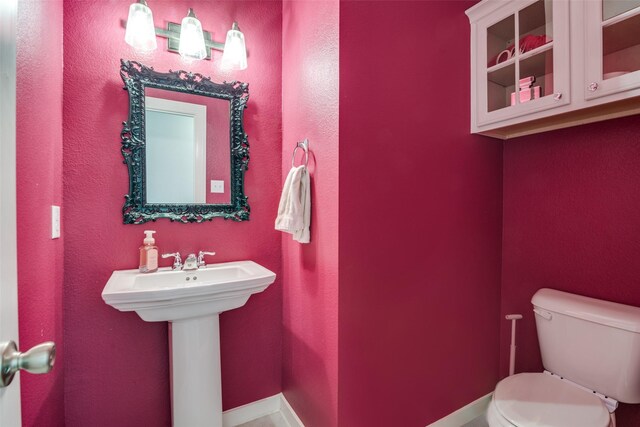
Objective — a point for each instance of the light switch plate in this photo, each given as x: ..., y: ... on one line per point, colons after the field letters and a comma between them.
x: 217, y: 186
x: 55, y: 222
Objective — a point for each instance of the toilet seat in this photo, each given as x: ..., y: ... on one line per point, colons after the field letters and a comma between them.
x: 543, y: 400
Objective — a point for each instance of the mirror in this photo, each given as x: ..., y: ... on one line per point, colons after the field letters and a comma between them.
x: 184, y: 145
x: 187, y: 148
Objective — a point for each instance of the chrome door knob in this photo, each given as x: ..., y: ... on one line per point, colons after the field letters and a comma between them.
x: 38, y: 360
x: 593, y: 86
x: 557, y: 96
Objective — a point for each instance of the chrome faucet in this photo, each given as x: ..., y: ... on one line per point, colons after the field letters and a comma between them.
x: 191, y: 263
x: 177, y: 261
x: 201, y: 256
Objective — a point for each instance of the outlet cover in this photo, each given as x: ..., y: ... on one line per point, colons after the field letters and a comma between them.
x: 217, y: 186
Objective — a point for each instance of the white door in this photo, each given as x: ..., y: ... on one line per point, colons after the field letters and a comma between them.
x: 9, y: 396
x: 38, y: 360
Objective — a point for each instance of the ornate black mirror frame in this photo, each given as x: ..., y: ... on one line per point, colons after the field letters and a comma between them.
x: 136, y: 78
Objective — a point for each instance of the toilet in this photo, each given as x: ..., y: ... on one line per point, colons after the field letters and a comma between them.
x: 591, y: 355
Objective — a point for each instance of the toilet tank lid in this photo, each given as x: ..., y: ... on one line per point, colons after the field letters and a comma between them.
x: 606, y: 313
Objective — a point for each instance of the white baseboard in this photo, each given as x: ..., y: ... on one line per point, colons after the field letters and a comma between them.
x: 260, y: 408
x: 465, y: 414
x: 289, y: 414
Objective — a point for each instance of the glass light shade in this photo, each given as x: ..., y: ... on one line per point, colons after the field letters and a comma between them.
x: 191, y: 38
x: 140, y: 33
x: 234, y: 56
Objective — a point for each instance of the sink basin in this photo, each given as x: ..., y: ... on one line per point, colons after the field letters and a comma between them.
x: 168, y: 295
x: 191, y: 302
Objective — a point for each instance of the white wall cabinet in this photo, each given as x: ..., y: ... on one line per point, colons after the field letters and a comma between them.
x: 613, y: 37
x: 538, y: 65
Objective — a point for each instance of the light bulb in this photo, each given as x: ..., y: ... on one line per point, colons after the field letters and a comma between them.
x: 234, y: 56
x: 140, y: 32
x: 191, y: 38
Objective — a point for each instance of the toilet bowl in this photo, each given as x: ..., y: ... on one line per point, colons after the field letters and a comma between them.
x: 590, y: 350
x: 544, y: 400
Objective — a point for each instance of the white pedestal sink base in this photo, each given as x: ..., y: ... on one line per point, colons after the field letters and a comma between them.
x: 191, y: 301
x: 195, y: 372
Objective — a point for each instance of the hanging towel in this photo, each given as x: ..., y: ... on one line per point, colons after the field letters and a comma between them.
x: 294, y: 211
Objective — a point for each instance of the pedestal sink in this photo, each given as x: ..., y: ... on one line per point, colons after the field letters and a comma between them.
x: 191, y: 301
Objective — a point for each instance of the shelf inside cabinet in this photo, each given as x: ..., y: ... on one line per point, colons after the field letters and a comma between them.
x: 500, y: 85
x: 621, y: 43
x: 503, y: 76
x: 621, y: 34
x: 503, y: 64
x: 537, y: 65
x: 612, y: 9
x: 522, y: 57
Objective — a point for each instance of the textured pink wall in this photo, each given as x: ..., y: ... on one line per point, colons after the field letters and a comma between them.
x: 420, y: 218
x: 118, y: 370
x: 310, y: 294
x: 571, y: 201
x: 39, y: 183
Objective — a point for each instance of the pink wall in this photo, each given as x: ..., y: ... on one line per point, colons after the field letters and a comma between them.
x: 118, y: 369
x: 415, y: 190
x: 310, y: 294
x: 571, y: 201
x: 420, y: 218
x: 39, y: 183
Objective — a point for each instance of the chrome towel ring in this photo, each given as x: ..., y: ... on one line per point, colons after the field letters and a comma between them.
x: 305, y: 146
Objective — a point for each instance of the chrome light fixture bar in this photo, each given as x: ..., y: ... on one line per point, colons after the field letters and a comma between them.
x: 140, y: 33
x: 172, y: 33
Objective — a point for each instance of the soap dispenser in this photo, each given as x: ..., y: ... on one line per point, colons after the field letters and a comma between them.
x: 148, y: 253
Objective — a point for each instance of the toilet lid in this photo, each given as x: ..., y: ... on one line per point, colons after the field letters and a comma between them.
x: 542, y: 400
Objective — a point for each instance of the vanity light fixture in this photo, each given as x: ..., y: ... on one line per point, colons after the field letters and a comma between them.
x: 234, y: 56
x: 191, y: 38
x: 140, y: 31
x: 188, y: 39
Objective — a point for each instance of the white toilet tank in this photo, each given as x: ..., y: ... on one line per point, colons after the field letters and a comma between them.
x: 591, y: 342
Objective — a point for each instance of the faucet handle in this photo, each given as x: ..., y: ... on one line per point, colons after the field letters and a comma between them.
x: 177, y: 260
x: 201, y: 256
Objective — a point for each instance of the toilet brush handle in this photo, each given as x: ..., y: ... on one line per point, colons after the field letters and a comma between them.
x: 512, y: 352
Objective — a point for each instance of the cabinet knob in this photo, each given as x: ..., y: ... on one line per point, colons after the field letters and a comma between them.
x: 557, y: 96
x: 593, y: 87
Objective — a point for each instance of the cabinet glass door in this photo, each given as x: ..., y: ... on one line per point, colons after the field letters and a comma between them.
x: 528, y: 75
x: 613, y: 35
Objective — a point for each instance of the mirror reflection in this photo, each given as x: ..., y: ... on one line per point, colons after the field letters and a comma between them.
x: 188, y: 158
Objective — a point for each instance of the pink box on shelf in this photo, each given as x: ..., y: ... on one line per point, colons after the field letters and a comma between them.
x: 527, y: 93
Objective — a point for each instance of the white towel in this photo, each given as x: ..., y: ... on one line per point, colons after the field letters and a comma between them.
x: 294, y: 211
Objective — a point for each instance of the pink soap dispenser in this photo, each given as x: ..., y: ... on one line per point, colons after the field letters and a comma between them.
x: 148, y: 253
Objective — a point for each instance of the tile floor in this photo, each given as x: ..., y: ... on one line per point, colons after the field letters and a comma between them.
x: 277, y: 420
x: 477, y: 422
x: 271, y: 420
